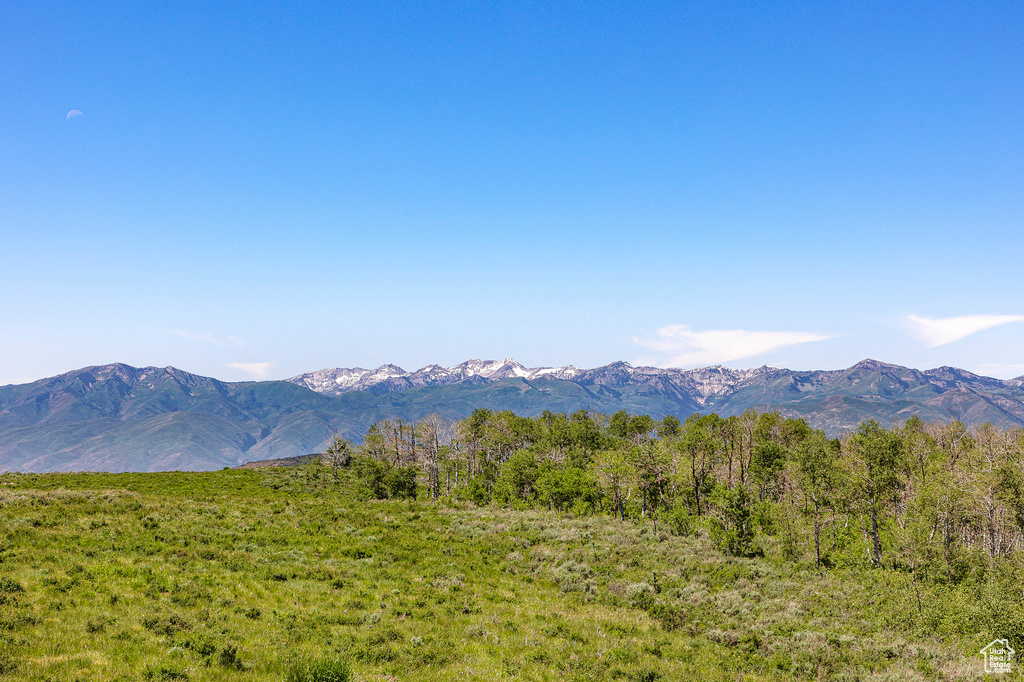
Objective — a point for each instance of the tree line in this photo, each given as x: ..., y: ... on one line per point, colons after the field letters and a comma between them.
x: 940, y: 500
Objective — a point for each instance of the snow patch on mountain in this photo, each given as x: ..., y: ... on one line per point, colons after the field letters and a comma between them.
x: 705, y: 383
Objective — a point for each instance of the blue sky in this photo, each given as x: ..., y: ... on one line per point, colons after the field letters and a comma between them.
x: 254, y: 191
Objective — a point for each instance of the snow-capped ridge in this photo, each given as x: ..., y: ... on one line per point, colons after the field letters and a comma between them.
x: 341, y: 380
x: 705, y: 382
x: 703, y: 386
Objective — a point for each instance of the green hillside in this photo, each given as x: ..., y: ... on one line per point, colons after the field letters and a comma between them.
x: 253, y: 574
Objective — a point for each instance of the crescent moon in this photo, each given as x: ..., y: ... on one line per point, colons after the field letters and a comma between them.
x: 74, y: 113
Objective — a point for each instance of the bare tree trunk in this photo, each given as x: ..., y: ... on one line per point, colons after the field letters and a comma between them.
x: 876, y: 541
x: 817, y: 535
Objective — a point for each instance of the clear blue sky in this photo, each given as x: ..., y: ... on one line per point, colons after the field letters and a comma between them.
x: 255, y: 190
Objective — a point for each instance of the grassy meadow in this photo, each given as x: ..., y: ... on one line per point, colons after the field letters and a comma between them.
x: 253, y: 574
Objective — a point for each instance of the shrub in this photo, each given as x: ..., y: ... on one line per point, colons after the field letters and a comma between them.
x: 750, y: 642
x: 228, y: 657
x: 200, y: 644
x: 9, y: 586
x: 572, y: 576
x: 640, y: 595
x: 733, y: 531
x: 162, y: 672
x: 383, y: 480
x: 166, y: 626
x: 401, y: 482
x: 678, y: 519
x: 670, y: 616
x: 320, y: 670
x: 518, y: 479
x: 370, y: 474
x: 478, y: 492
x: 7, y: 663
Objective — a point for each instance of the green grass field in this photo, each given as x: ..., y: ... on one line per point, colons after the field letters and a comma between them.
x: 246, y: 574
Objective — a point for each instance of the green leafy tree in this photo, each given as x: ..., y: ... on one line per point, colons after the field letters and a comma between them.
x: 400, y: 482
x: 617, y: 477
x: 652, y: 463
x: 670, y: 426
x: 877, y: 460
x: 373, y: 443
x: 518, y: 479
x: 818, y: 474
x: 567, y: 487
x: 618, y: 425
x: 702, y: 446
x: 993, y: 475
x: 384, y: 480
x: 732, y: 526
x: 766, y: 469
x: 370, y: 476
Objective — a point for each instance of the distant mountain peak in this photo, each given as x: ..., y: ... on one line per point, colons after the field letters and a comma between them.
x: 340, y: 380
x: 706, y: 387
x: 872, y: 364
x: 117, y: 417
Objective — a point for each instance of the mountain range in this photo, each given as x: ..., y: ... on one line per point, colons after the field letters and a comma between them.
x: 122, y: 418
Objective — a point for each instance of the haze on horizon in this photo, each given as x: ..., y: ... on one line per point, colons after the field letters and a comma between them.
x: 255, y: 192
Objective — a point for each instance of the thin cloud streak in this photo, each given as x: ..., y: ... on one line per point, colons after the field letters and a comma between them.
x: 208, y: 338
x: 943, y: 330
x: 680, y: 346
x: 257, y: 370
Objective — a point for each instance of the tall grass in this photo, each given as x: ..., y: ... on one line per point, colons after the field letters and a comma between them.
x: 283, y: 575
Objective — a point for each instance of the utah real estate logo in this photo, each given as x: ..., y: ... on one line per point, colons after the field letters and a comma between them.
x: 998, y: 656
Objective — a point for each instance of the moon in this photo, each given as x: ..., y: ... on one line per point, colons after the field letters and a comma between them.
x: 74, y: 113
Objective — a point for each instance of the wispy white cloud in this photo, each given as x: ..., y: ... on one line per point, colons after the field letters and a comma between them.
x: 680, y: 346
x: 207, y: 338
x: 257, y: 370
x: 942, y: 330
